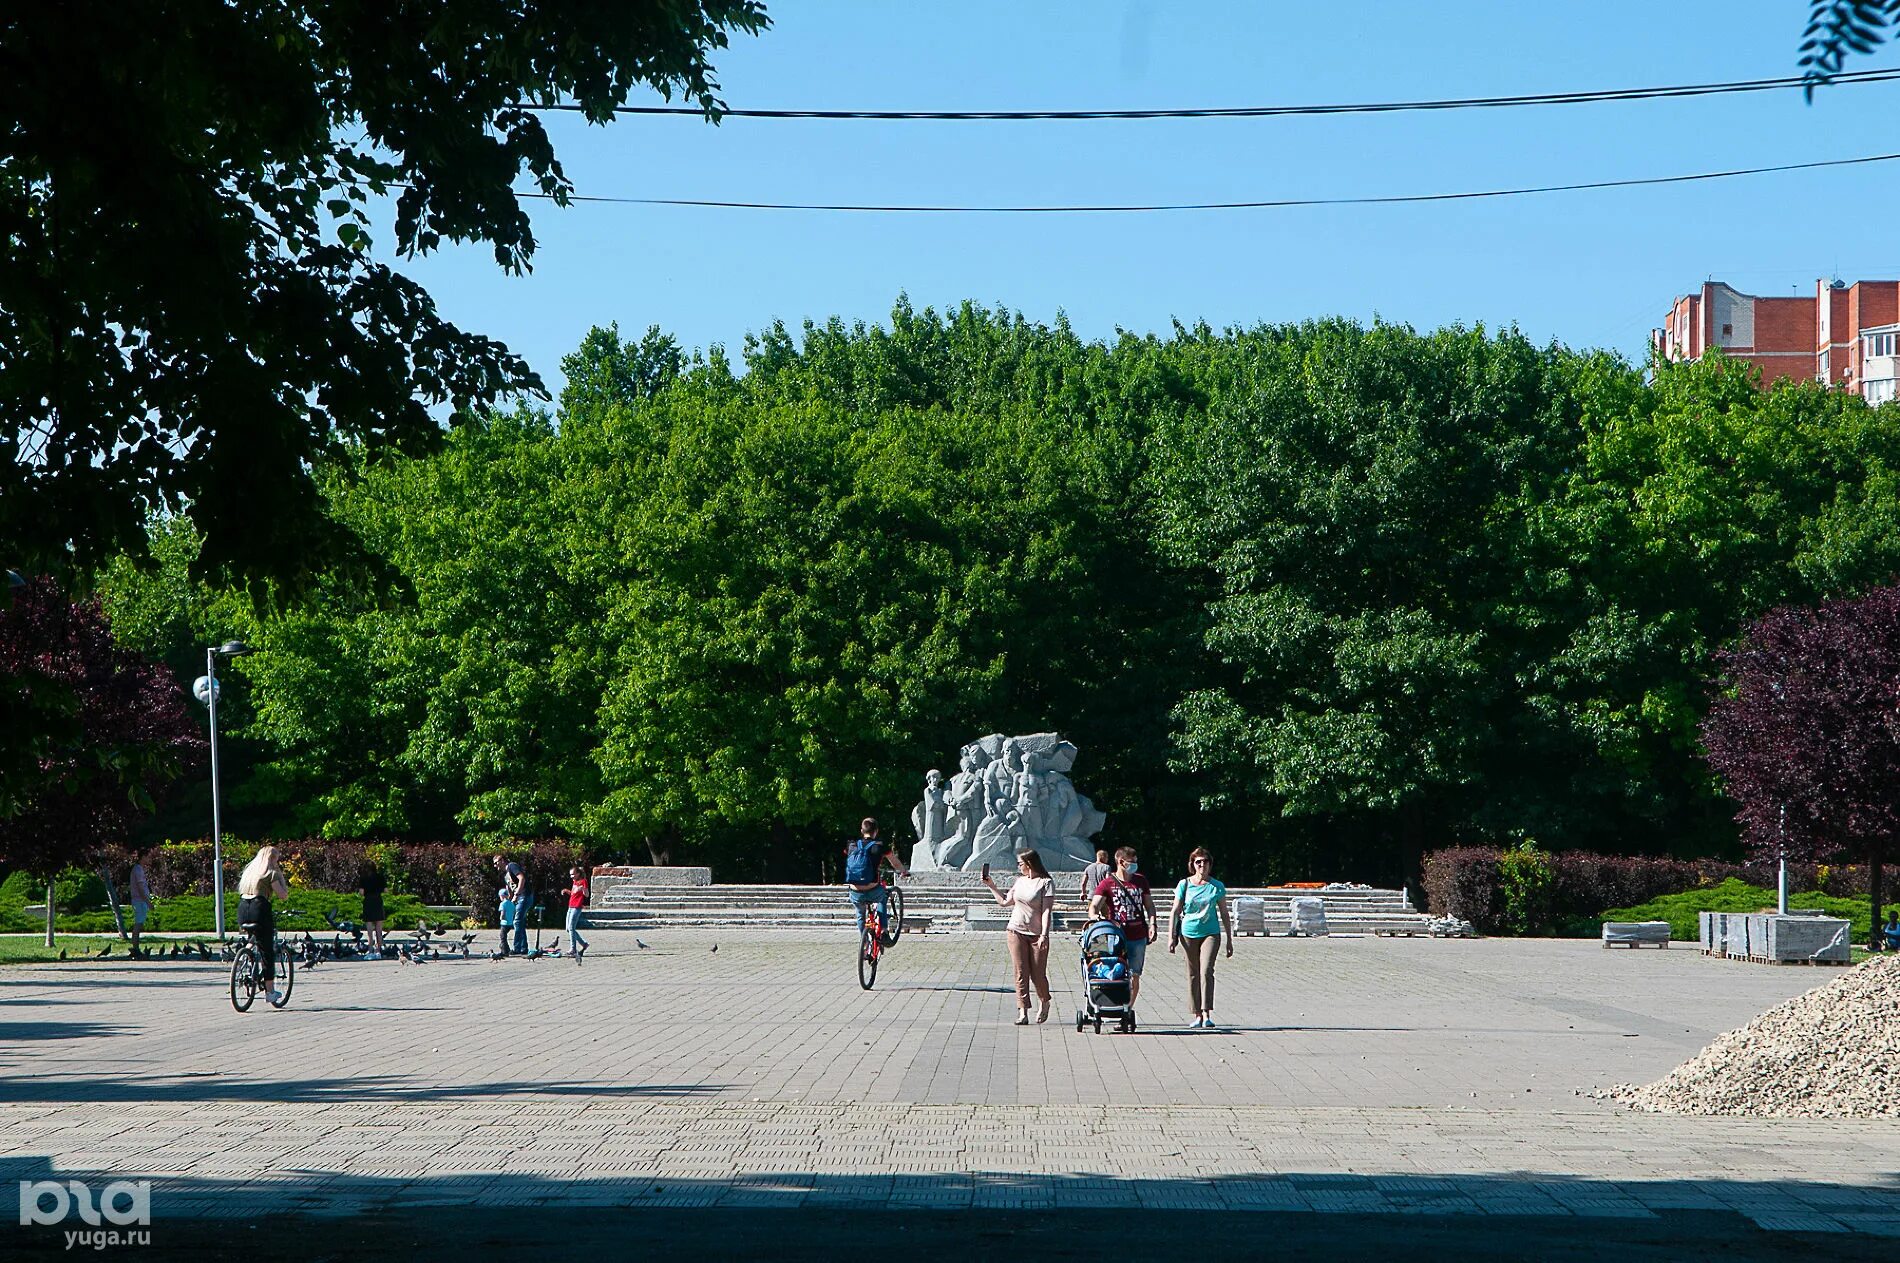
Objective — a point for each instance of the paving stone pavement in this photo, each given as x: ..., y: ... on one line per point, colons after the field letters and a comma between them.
x: 1351, y: 1077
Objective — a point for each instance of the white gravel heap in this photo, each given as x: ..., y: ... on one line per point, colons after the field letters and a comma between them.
x: 1831, y: 1053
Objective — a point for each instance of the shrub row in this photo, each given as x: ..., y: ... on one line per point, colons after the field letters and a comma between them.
x: 459, y: 873
x: 194, y: 914
x: 1471, y: 882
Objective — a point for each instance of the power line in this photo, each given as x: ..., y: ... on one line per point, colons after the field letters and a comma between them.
x: 1845, y: 79
x: 1268, y: 204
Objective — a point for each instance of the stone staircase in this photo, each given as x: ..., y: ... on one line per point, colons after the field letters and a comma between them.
x: 955, y: 902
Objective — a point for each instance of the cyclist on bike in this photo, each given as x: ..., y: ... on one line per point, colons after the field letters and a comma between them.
x: 862, y: 857
x: 262, y: 879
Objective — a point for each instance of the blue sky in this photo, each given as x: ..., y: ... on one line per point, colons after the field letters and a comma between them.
x: 1587, y: 269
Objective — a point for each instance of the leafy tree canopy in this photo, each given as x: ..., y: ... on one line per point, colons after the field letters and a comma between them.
x: 1839, y: 29
x: 121, y: 732
x: 1806, y: 732
x: 189, y: 313
x: 1320, y: 595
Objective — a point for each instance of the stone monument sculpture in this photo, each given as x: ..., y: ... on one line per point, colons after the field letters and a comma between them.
x: 1009, y: 794
x: 931, y: 817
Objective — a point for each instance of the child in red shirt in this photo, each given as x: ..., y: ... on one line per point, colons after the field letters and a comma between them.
x: 576, y: 900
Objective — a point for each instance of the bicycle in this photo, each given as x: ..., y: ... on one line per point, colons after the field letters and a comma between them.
x: 879, y: 934
x: 247, y: 972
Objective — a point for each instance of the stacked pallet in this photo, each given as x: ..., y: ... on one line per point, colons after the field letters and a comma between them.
x: 1770, y: 938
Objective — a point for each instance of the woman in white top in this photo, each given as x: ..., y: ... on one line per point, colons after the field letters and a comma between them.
x: 1032, y: 905
x: 262, y: 879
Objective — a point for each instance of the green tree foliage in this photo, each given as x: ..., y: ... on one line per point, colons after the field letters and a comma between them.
x: 456, y: 695
x: 1322, y: 596
x: 1838, y: 29
x: 188, y: 309
x: 1528, y: 884
x: 868, y: 549
x: 1694, y: 506
x: 1360, y: 496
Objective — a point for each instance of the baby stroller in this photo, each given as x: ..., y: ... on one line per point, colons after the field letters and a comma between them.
x: 1105, y: 978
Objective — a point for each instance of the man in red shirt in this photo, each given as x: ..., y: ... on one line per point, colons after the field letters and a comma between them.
x: 1124, y: 898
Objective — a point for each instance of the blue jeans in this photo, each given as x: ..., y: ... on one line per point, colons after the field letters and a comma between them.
x: 574, y: 938
x: 878, y: 896
x: 523, y: 908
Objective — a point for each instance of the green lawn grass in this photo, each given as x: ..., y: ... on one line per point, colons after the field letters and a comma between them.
x: 31, y: 949
x: 1735, y: 895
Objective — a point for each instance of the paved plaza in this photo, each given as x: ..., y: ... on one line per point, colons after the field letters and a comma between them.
x: 1363, y: 1093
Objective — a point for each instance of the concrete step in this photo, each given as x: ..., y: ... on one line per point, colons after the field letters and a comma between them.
x: 783, y: 895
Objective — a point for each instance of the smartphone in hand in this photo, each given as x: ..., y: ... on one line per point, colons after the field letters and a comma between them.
x: 986, y: 872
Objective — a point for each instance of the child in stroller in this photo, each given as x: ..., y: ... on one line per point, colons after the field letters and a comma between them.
x: 1105, y: 978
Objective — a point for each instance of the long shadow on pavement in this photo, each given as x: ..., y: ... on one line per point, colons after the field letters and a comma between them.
x: 811, y: 1215
x: 14, y: 1032
x: 393, y: 1088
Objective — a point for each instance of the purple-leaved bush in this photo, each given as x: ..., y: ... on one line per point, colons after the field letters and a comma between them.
x: 1805, y: 732
x: 113, y: 730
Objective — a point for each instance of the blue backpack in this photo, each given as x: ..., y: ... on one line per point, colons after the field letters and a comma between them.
x: 860, y: 861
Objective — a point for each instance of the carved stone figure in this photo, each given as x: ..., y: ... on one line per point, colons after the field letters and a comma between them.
x: 931, y: 819
x: 1010, y: 793
x: 963, y: 808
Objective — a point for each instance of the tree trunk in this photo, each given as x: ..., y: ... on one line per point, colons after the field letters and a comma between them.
x: 781, y: 845
x: 660, y: 848
x: 112, y: 897
x: 49, y: 913
x: 1411, y: 844
x: 1874, y: 892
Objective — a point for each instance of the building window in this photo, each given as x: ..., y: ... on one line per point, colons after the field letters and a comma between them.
x: 1824, y: 376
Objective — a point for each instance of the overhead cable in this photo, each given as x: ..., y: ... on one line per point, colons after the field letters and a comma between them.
x: 1846, y: 79
x: 1259, y: 204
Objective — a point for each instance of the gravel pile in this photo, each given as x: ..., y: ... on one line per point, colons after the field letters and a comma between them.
x: 1832, y: 1053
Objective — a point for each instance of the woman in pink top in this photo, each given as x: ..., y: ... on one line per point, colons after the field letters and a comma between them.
x: 1032, y: 912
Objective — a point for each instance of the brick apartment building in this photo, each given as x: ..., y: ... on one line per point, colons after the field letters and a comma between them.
x: 1845, y: 335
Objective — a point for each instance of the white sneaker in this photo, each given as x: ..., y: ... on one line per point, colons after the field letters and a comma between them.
x: 373, y: 956
x: 276, y: 996
x: 1207, y: 1021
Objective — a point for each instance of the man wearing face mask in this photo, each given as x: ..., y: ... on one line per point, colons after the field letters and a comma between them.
x: 1124, y: 898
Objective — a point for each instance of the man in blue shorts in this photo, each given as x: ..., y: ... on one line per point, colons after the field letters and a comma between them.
x: 1124, y: 898
x: 862, y: 857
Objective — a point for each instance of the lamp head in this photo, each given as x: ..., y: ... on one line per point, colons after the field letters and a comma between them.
x: 234, y: 649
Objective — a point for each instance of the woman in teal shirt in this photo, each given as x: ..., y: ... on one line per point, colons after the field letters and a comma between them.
x: 1200, y: 919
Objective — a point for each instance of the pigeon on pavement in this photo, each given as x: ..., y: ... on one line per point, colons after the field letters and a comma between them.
x: 637, y: 943
x: 715, y: 947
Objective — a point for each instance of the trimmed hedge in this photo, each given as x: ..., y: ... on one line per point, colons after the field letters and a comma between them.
x: 192, y: 914
x: 1468, y: 882
x: 454, y: 873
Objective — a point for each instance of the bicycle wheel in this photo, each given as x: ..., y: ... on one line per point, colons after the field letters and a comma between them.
x: 867, y: 959
x: 895, y: 925
x: 243, y: 980
x: 286, y: 979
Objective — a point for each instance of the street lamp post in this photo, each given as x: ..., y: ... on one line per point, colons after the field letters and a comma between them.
x: 1781, y: 894
x: 206, y: 689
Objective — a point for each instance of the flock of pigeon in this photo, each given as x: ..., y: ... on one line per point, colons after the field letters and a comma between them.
x: 192, y: 950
